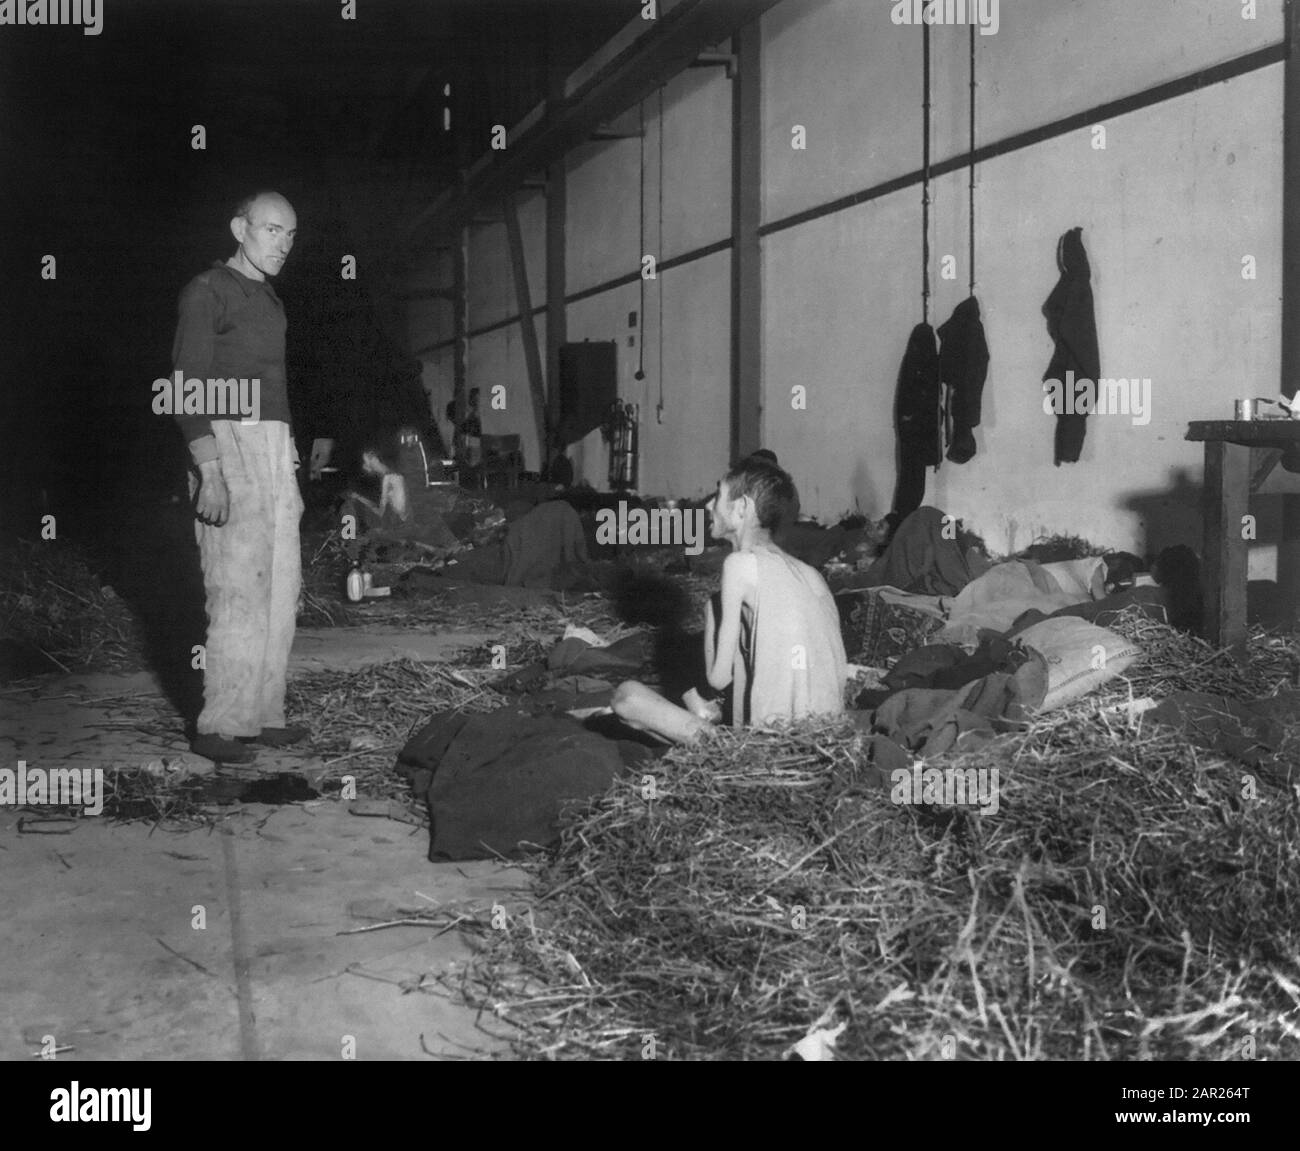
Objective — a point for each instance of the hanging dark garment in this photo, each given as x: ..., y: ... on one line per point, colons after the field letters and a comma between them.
x: 917, y: 419
x: 963, y: 367
x: 1073, y: 327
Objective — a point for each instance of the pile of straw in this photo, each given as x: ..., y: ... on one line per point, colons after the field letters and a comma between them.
x: 360, y: 720
x: 51, y: 599
x: 1126, y: 901
x: 176, y: 801
x: 1174, y: 660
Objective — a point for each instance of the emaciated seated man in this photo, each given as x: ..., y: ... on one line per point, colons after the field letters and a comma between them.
x: 407, y: 510
x: 777, y: 643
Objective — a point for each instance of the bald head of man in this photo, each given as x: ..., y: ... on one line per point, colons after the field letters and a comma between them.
x: 264, y: 225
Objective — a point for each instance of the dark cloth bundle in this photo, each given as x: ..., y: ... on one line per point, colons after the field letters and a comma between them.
x: 944, y: 666
x: 495, y: 783
x: 1073, y: 327
x: 916, y: 418
x: 545, y: 548
x: 930, y: 722
x: 963, y: 368
x: 923, y: 557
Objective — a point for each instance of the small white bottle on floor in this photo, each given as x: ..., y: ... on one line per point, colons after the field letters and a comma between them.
x: 356, y: 584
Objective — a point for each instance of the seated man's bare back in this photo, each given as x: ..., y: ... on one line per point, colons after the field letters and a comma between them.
x: 777, y: 643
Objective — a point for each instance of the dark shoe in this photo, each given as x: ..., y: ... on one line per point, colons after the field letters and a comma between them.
x: 281, y: 736
x: 219, y: 749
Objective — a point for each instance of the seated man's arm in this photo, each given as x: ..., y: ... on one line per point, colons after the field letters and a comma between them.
x: 739, y: 575
x: 364, y: 502
x: 712, y: 612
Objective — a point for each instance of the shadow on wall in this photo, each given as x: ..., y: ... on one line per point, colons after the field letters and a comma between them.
x: 1175, y: 516
x: 863, y: 493
x: 1169, y: 516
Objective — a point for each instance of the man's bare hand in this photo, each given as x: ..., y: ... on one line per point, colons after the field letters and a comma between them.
x: 705, y: 709
x: 212, y: 502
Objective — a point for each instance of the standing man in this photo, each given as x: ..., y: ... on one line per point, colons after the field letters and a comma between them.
x: 247, y: 503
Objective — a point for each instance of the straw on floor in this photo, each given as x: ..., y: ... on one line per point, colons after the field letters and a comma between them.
x: 51, y: 599
x: 1128, y: 900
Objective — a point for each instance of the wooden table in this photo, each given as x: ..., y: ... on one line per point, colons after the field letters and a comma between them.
x: 1239, y: 455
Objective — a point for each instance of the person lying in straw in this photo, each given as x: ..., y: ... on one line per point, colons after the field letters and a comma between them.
x: 777, y: 643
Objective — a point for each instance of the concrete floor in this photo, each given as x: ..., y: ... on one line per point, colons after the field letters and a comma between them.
x: 100, y: 948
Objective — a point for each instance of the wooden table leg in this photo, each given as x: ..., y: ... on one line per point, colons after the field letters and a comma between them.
x: 1227, y: 500
x: 1288, y: 559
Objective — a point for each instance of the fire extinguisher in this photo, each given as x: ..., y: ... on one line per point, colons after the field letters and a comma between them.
x: 623, y: 439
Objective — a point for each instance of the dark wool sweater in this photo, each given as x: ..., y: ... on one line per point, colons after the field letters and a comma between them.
x: 231, y: 327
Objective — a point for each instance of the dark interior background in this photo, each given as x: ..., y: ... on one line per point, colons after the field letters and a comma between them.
x: 346, y: 118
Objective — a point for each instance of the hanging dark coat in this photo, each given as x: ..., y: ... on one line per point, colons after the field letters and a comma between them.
x: 1073, y: 326
x: 964, y: 368
x: 916, y: 418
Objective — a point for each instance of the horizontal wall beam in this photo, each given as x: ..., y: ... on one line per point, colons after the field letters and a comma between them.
x: 1217, y: 74
x: 595, y: 290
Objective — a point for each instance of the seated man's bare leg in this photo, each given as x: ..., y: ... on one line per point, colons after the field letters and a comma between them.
x: 646, y: 710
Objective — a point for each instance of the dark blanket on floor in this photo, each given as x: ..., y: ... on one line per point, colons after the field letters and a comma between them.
x: 930, y: 721
x: 495, y: 783
x: 544, y: 547
x: 922, y: 559
x: 1255, y: 732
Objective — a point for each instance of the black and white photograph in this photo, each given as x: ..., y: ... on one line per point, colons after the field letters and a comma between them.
x: 650, y: 531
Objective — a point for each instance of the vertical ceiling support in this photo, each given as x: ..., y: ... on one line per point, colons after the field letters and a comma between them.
x: 1291, y: 204
x: 557, y: 319
x: 557, y: 219
x: 460, y: 337
x: 1288, y: 555
x: 532, y: 353
x: 746, y: 251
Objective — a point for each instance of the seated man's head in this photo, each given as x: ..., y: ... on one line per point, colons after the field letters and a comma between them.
x: 754, y: 497
x: 381, y: 454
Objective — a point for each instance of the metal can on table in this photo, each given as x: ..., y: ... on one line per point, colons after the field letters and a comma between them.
x: 1245, y: 409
